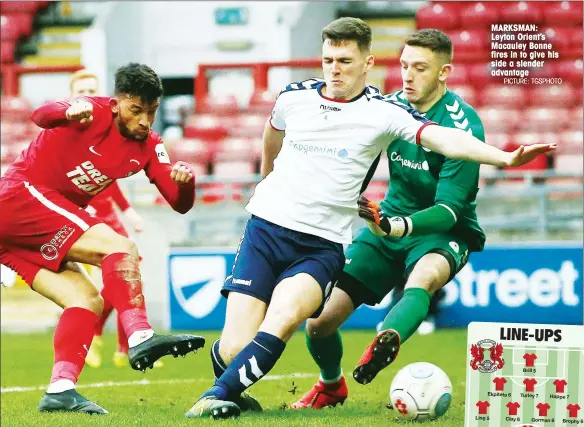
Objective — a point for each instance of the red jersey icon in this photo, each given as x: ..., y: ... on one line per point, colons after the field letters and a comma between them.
x: 530, y: 384
x: 483, y: 407
x: 543, y: 409
x: 530, y: 359
x: 573, y: 410
x: 560, y: 384
x: 513, y: 407
x: 500, y: 384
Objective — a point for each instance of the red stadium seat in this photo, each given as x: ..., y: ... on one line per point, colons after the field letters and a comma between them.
x: 480, y: 14
x: 189, y: 150
x: 393, y: 79
x: 570, y: 142
x: 249, y: 125
x: 565, y: 13
x: 576, y: 118
x: 9, y: 28
x: 441, y: 16
x: 570, y: 71
x: 15, y: 107
x: 503, y: 95
x: 539, y: 163
x: 552, y: 96
x: 234, y: 169
x: 559, y: 37
x: 498, y: 140
x: 544, y: 119
x: 459, y: 75
x: 205, y: 126
x: 470, y: 45
x: 499, y: 119
x: 521, y: 12
x: 376, y: 190
x: 262, y: 102
x: 234, y: 149
x: 218, y: 104
x: 7, y: 51
x: 467, y: 93
x: 480, y: 75
x: 29, y: 7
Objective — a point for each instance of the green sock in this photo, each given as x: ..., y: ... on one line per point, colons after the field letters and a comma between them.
x: 327, y: 353
x: 408, y: 313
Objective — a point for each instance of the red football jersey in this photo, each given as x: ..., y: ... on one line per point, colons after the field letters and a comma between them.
x: 483, y: 407
x: 500, y: 384
x: 543, y: 409
x: 560, y: 385
x: 573, y: 409
x: 513, y: 407
x: 530, y: 384
x: 530, y: 359
x: 80, y: 160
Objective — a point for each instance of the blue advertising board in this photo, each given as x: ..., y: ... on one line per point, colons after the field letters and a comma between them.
x: 523, y: 284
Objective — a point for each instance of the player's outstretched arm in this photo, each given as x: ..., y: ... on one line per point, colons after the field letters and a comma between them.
x: 61, y: 113
x: 176, y: 183
x: 273, y: 139
x: 460, y: 145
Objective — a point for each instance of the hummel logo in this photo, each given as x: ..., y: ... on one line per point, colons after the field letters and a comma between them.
x: 329, y: 108
x: 93, y: 151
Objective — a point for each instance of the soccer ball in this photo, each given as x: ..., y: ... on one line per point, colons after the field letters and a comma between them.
x: 420, y: 391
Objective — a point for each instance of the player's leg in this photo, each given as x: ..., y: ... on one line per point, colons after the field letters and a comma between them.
x: 72, y: 290
x: 428, y: 326
x: 93, y: 358
x: 122, y: 287
x: 365, y: 280
x: 432, y: 262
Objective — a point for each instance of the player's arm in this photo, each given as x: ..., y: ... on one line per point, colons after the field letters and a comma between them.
x: 460, y: 145
x: 273, y: 139
x: 175, y: 182
x: 63, y: 113
x: 123, y: 203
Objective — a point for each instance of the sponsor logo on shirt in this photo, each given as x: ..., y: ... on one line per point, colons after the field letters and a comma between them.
x: 396, y: 157
x: 88, y: 179
x: 162, y: 154
x: 49, y: 250
x: 309, y: 149
x: 329, y: 108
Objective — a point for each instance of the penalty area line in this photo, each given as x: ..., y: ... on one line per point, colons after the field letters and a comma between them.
x: 151, y: 382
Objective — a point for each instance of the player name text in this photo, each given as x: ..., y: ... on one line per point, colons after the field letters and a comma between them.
x: 515, y: 419
x: 531, y: 370
x: 498, y: 394
x: 542, y: 420
x: 565, y: 421
x: 482, y: 417
x: 524, y: 334
x: 557, y: 396
x: 532, y: 395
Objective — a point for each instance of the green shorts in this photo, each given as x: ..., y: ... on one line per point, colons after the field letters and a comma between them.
x: 382, y: 263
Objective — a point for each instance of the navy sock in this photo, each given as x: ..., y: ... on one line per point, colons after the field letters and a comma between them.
x: 218, y: 363
x: 253, y: 362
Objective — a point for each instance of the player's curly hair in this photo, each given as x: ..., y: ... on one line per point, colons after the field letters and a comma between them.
x: 348, y: 28
x: 138, y: 80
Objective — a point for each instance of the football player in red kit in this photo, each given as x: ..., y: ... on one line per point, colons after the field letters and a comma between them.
x: 85, y: 83
x: 45, y: 231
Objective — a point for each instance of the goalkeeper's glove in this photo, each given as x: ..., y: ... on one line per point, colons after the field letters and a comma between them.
x: 379, y: 223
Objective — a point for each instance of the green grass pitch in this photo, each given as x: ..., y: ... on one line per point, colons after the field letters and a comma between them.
x: 167, y: 393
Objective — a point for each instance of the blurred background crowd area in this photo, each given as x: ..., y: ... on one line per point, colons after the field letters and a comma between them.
x: 223, y: 64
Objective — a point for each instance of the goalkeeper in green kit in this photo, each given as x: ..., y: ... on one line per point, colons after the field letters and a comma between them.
x: 420, y: 235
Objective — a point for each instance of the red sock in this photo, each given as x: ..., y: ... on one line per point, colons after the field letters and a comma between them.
x: 107, y: 310
x: 72, y: 339
x: 122, y: 338
x: 122, y: 287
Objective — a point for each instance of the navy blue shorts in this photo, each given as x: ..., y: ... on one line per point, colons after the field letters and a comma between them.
x: 269, y: 253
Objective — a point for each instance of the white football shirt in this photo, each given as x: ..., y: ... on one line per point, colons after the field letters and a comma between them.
x: 328, y: 149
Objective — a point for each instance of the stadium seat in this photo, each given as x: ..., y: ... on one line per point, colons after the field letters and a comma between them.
x: 7, y: 51
x: 497, y: 139
x: 521, y: 12
x: 576, y: 118
x: 13, y: 107
x: 499, y: 119
x: 570, y: 71
x: 441, y: 16
x: 219, y: 104
x: 572, y: 163
x: 480, y: 14
x: 10, y: 27
x: 249, y: 125
x: 393, y: 80
x: 205, y: 126
x: 233, y: 149
x: 470, y: 45
x: 480, y: 75
x: 565, y: 13
x: 540, y: 163
x: 570, y: 142
x: 376, y: 190
x: 512, y: 95
x: 553, y: 96
x: 459, y: 75
x: 29, y: 7
x: 467, y: 93
x: 234, y: 169
x: 544, y: 119
x: 190, y: 150
x: 559, y: 37
x: 262, y: 102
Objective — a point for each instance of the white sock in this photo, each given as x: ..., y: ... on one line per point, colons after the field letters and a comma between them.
x: 139, y: 337
x: 336, y: 380
x: 60, y: 386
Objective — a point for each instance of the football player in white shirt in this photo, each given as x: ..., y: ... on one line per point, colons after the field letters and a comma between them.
x: 319, y: 144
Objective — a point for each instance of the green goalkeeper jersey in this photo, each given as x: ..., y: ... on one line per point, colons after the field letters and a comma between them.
x: 420, y: 178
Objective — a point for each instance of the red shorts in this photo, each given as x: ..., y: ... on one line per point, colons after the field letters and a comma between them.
x: 38, y: 226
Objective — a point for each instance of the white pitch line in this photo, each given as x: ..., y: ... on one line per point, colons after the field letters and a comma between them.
x: 149, y: 382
